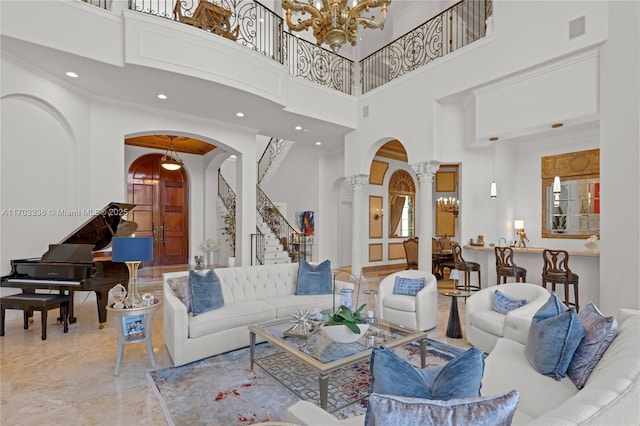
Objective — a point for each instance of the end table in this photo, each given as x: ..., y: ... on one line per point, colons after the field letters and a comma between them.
x: 454, y: 329
x: 134, y: 325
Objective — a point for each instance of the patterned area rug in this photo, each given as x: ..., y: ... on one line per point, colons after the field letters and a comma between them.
x: 222, y: 390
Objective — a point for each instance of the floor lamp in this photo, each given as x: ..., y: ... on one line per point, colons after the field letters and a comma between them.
x: 132, y: 251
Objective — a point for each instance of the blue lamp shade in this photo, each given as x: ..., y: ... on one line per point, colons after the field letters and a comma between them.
x: 127, y: 249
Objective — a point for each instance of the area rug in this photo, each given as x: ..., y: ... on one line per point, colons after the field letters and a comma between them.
x: 222, y: 390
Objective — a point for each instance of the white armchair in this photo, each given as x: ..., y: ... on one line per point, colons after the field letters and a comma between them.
x: 484, y: 326
x: 418, y: 312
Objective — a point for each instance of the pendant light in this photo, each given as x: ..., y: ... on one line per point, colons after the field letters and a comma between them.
x: 170, y: 160
x: 494, y: 190
x: 557, y: 188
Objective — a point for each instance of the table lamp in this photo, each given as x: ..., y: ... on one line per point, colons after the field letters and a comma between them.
x: 132, y: 251
x: 454, y: 275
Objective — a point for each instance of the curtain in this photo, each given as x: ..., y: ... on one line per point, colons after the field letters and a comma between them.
x: 397, y: 204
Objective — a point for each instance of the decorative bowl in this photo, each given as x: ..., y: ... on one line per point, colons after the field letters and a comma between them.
x: 342, y: 334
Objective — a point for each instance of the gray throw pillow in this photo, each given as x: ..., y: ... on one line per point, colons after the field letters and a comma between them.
x: 206, y: 292
x: 554, y: 336
x: 182, y: 290
x: 314, y: 279
x: 391, y: 410
x: 599, y: 333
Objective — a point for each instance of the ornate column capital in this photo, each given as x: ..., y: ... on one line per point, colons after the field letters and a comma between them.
x: 358, y: 181
x: 426, y: 171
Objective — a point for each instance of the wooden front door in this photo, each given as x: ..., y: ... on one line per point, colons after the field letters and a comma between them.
x: 161, y: 212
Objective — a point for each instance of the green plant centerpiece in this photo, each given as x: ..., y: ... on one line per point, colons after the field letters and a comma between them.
x: 344, y: 315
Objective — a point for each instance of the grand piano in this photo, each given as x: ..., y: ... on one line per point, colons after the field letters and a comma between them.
x: 74, y: 264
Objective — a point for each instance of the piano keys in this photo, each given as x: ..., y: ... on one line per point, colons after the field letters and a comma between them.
x: 72, y: 264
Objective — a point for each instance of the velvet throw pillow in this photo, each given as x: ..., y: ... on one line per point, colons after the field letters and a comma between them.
x: 390, y: 410
x: 408, y: 286
x: 206, y: 292
x: 314, y: 279
x: 554, y: 336
x: 180, y: 286
x: 503, y: 304
x: 459, y: 378
x: 599, y: 332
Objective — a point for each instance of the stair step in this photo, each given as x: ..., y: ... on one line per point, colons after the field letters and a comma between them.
x: 276, y: 255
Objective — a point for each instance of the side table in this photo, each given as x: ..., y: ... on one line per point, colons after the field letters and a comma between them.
x: 134, y: 325
x: 454, y: 329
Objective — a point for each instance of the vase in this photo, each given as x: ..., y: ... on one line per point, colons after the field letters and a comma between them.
x: 231, y: 262
x: 340, y: 333
x: 210, y: 259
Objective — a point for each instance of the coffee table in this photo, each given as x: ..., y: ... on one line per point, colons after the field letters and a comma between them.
x: 298, y: 362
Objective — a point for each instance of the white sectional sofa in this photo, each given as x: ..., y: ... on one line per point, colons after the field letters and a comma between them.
x: 252, y: 294
x: 610, y: 397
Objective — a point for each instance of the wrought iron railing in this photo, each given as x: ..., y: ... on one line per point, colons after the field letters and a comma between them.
x: 257, y: 248
x: 99, y: 3
x: 293, y: 242
x: 269, y: 155
x: 228, y: 198
x: 262, y: 30
x: 318, y: 65
x: 456, y: 27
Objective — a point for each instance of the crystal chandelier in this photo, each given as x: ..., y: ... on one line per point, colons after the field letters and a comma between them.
x: 334, y: 22
x: 450, y: 205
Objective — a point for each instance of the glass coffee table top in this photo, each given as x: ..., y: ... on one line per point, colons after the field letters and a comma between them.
x: 331, y: 375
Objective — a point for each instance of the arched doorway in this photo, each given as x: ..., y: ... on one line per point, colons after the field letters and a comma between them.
x: 162, y: 208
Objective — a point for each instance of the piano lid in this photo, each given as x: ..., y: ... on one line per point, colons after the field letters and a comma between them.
x: 105, y: 224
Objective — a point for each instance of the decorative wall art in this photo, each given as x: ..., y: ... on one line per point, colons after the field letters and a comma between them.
x: 305, y: 222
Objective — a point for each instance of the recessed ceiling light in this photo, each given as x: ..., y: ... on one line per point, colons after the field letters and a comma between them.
x: 318, y: 143
x: 298, y: 127
x: 557, y: 125
x: 239, y: 114
x: 494, y: 139
x: 71, y: 74
x: 162, y: 96
x: 233, y: 156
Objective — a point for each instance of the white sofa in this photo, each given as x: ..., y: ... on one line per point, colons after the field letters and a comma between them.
x: 484, y: 326
x: 252, y: 294
x: 610, y: 397
x: 419, y: 312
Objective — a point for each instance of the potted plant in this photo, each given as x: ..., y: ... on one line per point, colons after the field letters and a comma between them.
x: 345, y: 325
x: 559, y: 222
x: 210, y: 246
x: 229, y: 230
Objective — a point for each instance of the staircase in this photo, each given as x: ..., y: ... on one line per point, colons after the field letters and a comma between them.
x: 271, y: 250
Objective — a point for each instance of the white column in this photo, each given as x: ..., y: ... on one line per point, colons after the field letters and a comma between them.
x: 357, y: 183
x: 425, y: 173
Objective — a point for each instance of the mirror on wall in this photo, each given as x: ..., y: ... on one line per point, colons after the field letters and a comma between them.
x: 575, y: 211
x: 402, y: 195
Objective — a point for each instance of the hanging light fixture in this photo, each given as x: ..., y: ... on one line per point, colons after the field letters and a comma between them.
x: 494, y: 190
x: 450, y: 205
x: 170, y: 160
x: 557, y: 187
x: 335, y: 22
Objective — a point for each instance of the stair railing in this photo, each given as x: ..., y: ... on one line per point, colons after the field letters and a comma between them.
x: 257, y: 247
x: 228, y: 198
x: 269, y: 155
x: 293, y: 241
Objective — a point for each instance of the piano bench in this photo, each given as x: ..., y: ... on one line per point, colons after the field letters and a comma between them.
x: 29, y: 302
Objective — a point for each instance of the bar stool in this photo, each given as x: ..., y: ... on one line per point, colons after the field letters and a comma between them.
x: 556, y: 271
x: 467, y: 267
x: 506, y: 267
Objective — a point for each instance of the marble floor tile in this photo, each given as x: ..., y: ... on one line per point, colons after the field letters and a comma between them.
x: 69, y: 379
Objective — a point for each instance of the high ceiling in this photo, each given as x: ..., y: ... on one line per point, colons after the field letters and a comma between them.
x: 139, y: 86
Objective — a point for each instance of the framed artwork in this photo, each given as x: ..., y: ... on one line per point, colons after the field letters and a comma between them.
x: 305, y: 222
x: 133, y: 327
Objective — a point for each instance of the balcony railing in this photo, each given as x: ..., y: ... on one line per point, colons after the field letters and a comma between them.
x: 456, y: 27
x: 262, y: 30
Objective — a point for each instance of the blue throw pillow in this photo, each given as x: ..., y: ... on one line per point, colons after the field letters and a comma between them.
x: 554, y: 335
x: 477, y: 411
x: 408, y: 286
x: 599, y: 333
x: 206, y: 292
x: 314, y: 279
x: 503, y: 304
x: 459, y: 378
